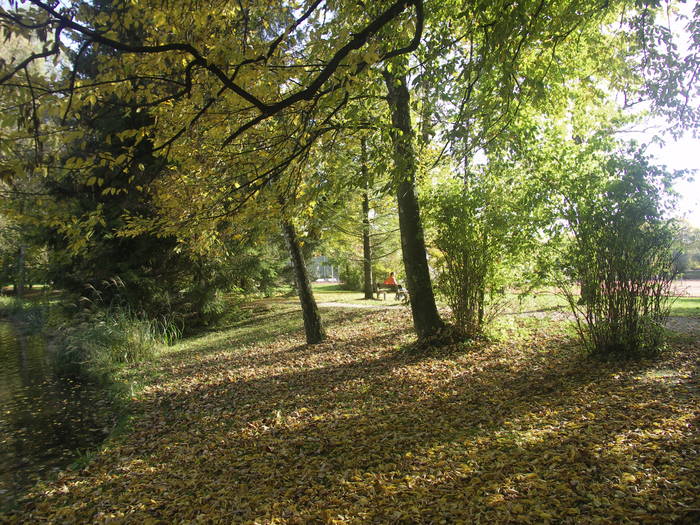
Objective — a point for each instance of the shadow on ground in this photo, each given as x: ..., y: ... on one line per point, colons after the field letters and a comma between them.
x: 252, y: 425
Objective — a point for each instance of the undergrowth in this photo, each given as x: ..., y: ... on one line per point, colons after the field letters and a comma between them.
x: 96, y: 343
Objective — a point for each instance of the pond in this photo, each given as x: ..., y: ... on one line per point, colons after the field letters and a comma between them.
x: 46, y: 421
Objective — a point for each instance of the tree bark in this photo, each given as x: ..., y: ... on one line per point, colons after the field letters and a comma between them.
x: 19, y: 278
x: 366, y: 239
x: 367, y: 247
x: 426, y: 318
x: 312, y: 319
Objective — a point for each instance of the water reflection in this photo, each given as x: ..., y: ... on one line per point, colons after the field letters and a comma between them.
x: 44, y: 419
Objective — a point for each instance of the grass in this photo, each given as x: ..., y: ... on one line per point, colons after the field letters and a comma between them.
x: 98, y: 343
x: 539, y: 302
x: 686, y: 307
x: 543, y: 302
x: 32, y: 315
x: 692, y: 274
x: 247, y: 424
x: 10, y: 305
x: 334, y: 293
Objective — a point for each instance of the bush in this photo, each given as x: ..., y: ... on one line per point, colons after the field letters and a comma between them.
x: 621, y: 256
x: 352, y: 276
x: 482, y: 230
x: 183, y: 286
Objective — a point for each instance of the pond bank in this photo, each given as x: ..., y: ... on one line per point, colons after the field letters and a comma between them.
x: 47, y: 421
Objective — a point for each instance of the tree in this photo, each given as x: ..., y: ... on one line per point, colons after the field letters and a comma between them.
x: 689, y: 247
x: 426, y: 318
x: 239, y: 98
x: 368, y: 275
x: 202, y: 67
x: 353, y: 203
x: 315, y: 333
x: 22, y: 170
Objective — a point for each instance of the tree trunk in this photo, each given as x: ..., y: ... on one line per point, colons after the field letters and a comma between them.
x: 426, y: 318
x: 312, y: 319
x: 19, y: 278
x: 366, y: 240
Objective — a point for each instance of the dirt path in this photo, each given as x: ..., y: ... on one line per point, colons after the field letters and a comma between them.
x: 686, y: 288
x: 684, y: 325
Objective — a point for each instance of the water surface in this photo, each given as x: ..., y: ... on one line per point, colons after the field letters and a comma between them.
x: 46, y: 421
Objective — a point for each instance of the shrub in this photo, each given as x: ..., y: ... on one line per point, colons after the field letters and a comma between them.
x: 482, y: 229
x: 620, y: 257
x: 351, y: 275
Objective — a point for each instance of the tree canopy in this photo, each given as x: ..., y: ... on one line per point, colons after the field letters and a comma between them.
x: 243, y: 114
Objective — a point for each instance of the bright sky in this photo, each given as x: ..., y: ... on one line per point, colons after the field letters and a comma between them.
x: 684, y: 154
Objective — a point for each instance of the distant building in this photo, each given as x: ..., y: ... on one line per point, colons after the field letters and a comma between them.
x: 320, y: 269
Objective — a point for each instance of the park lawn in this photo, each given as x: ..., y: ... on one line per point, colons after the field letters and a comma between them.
x: 537, y: 302
x: 686, y: 307
x: 247, y: 424
x: 544, y: 302
x: 335, y: 293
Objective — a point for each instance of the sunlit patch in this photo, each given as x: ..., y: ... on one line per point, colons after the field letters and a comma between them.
x: 663, y: 376
x: 525, y: 429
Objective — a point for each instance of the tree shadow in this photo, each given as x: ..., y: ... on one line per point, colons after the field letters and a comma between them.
x: 358, y: 429
x: 246, y: 332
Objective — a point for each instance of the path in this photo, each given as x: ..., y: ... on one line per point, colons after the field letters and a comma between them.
x: 354, y: 305
x: 686, y: 325
x: 686, y: 287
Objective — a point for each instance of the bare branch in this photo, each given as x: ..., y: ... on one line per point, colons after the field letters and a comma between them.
x: 415, y: 42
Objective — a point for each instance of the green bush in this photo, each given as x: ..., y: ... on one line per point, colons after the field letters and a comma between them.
x: 620, y: 260
x: 482, y: 230
x: 352, y: 276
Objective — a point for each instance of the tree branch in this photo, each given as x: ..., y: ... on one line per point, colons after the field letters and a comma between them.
x: 35, y: 56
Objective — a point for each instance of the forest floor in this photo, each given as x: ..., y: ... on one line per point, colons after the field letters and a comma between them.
x: 247, y: 424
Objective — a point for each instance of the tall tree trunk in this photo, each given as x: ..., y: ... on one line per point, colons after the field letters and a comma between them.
x: 21, y: 256
x: 426, y: 318
x: 367, y: 247
x: 19, y: 278
x: 312, y: 319
x: 366, y: 239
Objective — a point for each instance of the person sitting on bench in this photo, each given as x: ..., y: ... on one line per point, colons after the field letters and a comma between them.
x: 393, y: 285
x: 391, y: 280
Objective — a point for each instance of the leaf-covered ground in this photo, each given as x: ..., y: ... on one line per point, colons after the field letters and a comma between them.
x: 249, y: 425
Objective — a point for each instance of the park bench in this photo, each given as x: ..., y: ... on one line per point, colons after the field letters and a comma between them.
x: 401, y: 293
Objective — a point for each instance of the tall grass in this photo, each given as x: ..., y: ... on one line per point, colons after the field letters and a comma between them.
x: 98, y: 342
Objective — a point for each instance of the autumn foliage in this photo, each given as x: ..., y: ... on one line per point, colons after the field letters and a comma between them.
x: 250, y: 425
